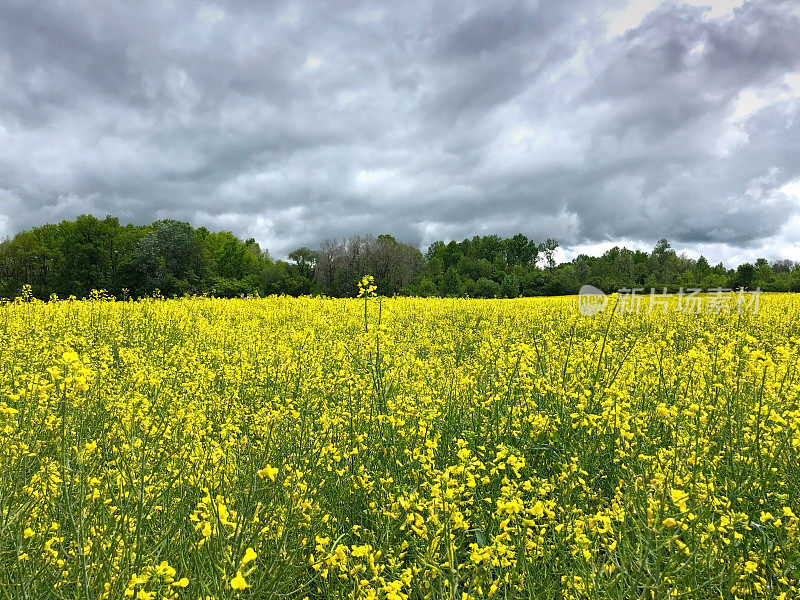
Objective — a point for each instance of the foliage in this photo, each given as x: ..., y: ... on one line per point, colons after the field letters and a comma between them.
x: 74, y: 257
x: 460, y: 448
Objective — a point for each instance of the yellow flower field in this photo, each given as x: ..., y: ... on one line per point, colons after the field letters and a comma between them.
x: 421, y: 448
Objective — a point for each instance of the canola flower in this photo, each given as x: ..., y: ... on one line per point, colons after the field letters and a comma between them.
x: 401, y: 449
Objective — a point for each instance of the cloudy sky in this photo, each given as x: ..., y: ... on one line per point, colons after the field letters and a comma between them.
x: 597, y: 123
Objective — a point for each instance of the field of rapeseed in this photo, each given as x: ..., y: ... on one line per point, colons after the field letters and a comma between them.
x: 402, y: 448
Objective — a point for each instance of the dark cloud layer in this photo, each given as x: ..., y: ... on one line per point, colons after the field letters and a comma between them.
x: 295, y: 121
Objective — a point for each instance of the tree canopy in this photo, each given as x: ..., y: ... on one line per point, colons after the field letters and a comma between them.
x: 173, y: 258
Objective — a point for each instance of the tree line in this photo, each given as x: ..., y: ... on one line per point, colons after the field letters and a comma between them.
x: 169, y: 257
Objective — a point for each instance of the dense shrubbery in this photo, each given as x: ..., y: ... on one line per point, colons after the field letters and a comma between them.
x: 74, y: 257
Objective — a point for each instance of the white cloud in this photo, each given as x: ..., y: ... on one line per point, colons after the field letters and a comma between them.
x: 313, y: 62
x: 633, y: 12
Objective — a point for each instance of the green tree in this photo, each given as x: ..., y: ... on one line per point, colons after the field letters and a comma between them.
x: 764, y: 277
x: 521, y: 251
x: 510, y: 286
x: 452, y: 286
x: 304, y: 260
x: 486, y: 288
x: 86, y: 256
x: 169, y: 258
x: 745, y: 276
x: 548, y: 249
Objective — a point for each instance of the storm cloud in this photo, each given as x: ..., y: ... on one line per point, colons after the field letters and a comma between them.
x: 593, y: 122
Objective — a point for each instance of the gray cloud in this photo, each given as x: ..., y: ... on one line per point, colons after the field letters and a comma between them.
x: 295, y: 121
